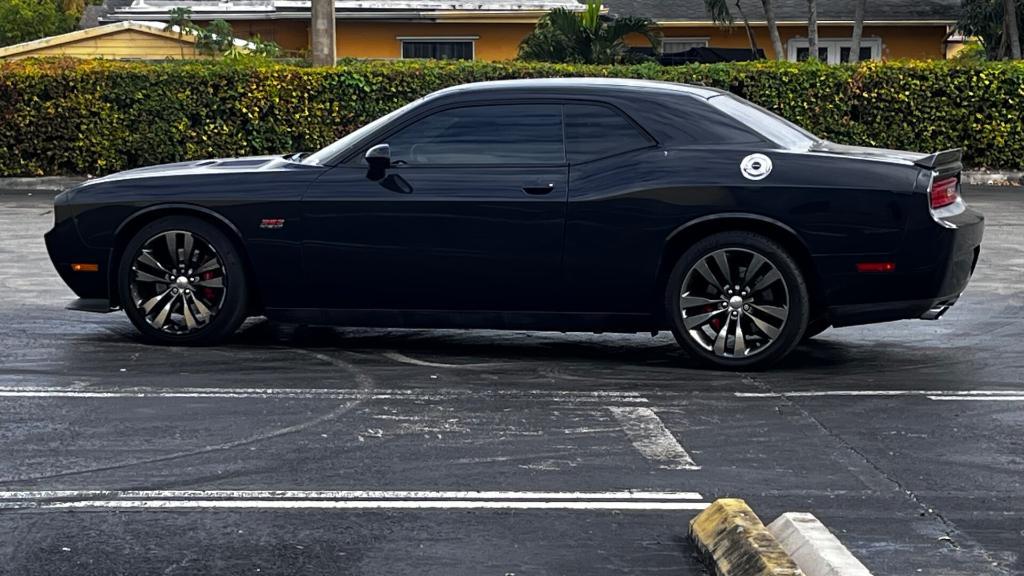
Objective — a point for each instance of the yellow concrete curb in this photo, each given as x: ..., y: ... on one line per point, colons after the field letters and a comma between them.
x: 734, y: 542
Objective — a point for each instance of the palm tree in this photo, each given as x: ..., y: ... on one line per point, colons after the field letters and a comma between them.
x: 720, y: 13
x: 858, y: 30
x: 585, y: 38
x: 181, y: 18
x: 773, y: 28
x: 812, y: 29
x: 1012, y: 31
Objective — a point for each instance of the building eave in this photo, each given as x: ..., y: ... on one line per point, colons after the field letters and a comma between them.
x: 474, y: 17
x: 803, y: 23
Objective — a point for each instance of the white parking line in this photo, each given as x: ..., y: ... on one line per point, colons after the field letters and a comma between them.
x: 981, y: 398
x: 432, y: 394
x: 650, y: 437
x: 350, y: 499
x: 363, y: 504
x: 927, y: 393
x: 399, y: 357
x: 349, y: 495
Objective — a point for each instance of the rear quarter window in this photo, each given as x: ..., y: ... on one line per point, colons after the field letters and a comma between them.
x: 593, y: 131
x: 682, y: 120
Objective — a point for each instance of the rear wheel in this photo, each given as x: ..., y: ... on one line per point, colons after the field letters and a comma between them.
x: 181, y: 281
x: 737, y: 300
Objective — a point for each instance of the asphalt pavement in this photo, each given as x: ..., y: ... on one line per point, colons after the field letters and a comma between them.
x: 297, y: 450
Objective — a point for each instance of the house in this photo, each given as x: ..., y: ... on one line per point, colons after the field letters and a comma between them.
x: 492, y: 29
x: 463, y: 29
x: 919, y: 29
x: 129, y: 40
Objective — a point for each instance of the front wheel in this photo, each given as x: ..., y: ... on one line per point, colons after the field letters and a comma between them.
x: 737, y: 300
x: 181, y: 282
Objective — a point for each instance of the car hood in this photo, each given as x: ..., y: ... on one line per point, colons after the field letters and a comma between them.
x: 197, y: 167
x: 881, y: 154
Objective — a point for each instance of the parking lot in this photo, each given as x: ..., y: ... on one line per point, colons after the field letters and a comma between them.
x: 300, y: 450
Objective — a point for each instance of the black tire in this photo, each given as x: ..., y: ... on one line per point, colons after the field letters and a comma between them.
x: 815, y: 327
x: 227, y: 305
x: 752, y: 348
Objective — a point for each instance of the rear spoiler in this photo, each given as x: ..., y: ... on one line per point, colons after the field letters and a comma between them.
x: 939, y: 160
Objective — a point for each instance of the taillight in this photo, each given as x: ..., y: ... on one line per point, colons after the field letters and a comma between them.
x: 945, y: 192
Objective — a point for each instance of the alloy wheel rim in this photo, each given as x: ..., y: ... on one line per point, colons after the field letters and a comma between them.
x: 178, y: 282
x: 734, y: 303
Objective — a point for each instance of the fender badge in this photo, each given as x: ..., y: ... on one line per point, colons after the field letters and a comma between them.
x: 272, y: 223
x: 756, y: 167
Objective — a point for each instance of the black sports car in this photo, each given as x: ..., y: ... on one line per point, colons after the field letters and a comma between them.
x: 562, y: 204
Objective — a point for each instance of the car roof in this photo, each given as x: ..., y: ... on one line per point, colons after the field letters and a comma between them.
x: 586, y: 84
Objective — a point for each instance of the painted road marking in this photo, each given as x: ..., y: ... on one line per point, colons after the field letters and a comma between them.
x: 933, y: 394
x: 350, y: 499
x: 402, y: 358
x: 650, y: 437
x: 433, y: 394
x: 363, y: 504
x: 349, y: 495
x: 981, y: 398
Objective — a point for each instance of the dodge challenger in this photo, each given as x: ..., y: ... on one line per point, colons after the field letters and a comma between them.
x: 552, y: 204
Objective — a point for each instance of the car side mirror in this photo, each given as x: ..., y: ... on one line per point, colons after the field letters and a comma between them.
x: 378, y: 159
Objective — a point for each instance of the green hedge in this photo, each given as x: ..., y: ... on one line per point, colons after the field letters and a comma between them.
x: 96, y: 117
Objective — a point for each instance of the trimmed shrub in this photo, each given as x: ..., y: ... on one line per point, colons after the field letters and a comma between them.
x: 96, y: 117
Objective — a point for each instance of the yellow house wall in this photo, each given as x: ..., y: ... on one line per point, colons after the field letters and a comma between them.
x: 290, y: 35
x: 500, y: 41
x: 920, y: 42
x: 379, y: 39
x: 126, y: 44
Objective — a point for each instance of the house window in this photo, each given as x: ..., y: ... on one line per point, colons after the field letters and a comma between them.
x: 438, y: 48
x: 835, y: 50
x: 675, y: 45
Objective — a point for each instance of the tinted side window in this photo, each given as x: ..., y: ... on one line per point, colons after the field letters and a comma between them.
x: 593, y: 132
x: 498, y: 134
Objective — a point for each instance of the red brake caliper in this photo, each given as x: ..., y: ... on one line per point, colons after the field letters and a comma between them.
x: 208, y: 292
x: 716, y: 322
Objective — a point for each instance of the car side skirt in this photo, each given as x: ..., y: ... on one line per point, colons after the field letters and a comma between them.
x: 472, y: 319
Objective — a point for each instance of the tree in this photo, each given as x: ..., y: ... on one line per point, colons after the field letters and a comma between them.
x: 1012, y: 28
x: 218, y: 39
x: 585, y: 38
x: 26, y: 20
x: 858, y: 29
x: 812, y: 29
x: 721, y: 14
x: 987, y: 21
x: 773, y: 28
x: 324, y: 30
x: 181, y: 18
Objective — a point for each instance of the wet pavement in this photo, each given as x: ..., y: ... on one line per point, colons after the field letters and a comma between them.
x: 351, y: 451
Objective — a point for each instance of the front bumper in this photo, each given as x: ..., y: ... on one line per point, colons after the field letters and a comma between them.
x: 65, y: 247
x: 933, y: 268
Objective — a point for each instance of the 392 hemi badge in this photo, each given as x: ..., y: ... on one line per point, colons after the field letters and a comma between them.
x: 272, y: 223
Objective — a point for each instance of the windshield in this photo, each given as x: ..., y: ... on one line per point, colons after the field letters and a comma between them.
x: 332, y: 150
x: 771, y: 126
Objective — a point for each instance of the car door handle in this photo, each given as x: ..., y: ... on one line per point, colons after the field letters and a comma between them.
x: 538, y: 190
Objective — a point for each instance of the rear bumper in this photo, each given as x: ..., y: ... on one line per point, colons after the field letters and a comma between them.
x: 65, y: 247
x: 932, y: 269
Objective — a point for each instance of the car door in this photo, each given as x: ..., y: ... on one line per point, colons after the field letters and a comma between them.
x: 470, y: 216
x: 614, y: 210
